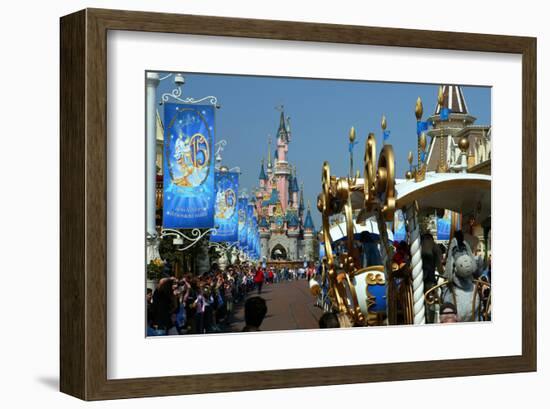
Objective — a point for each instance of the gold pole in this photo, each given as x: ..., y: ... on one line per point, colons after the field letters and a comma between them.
x: 441, y: 167
x: 418, y: 111
x: 351, y: 140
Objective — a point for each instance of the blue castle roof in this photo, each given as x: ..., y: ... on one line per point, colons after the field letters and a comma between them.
x: 294, y: 185
x: 274, y: 199
x: 308, y: 224
x: 264, y: 223
x: 292, y: 219
x: 262, y: 172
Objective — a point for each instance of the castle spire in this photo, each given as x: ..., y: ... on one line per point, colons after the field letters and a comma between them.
x: 452, y: 97
x: 269, y: 153
x: 262, y: 172
x: 282, y: 132
x: 308, y: 224
x: 301, y: 207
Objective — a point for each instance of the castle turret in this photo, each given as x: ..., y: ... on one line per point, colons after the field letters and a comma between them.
x: 450, y: 118
x: 309, y: 232
x: 293, y: 190
x: 282, y: 169
x: 262, y: 177
x: 269, y: 164
x: 301, y: 205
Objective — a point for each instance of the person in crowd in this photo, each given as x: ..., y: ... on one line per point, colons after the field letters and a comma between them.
x: 164, y: 305
x: 448, y: 313
x: 229, y: 296
x: 431, y: 260
x: 371, y: 254
x: 402, y: 255
x: 149, y: 305
x: 255, y: 310
x: 181, y: 292
x: 259, y: 278
x: 200, y: 305
x: 329, y: 320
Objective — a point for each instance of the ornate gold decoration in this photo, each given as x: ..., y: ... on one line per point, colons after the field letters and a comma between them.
x: 419, y: 109
x: 379, y: 197
x: 422, y: 141
x: 440, y: 97
x: 379, y: 187
x: 420, y: 172
x: 464, y: 144
x: 384, y: 123
x: 352, y: 134
x: 441, y: 166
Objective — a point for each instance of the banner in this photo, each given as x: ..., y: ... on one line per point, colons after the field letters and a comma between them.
x: 249, y: 228
x: 400, y: 232
x: 444, y: 115
x: 242, y: 222
x: 444, y: 226
x: 188, y: 166
x: 421, y: 126
x: 226, y: 216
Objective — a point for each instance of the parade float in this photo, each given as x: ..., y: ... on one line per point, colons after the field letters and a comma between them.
x: 392, y: 291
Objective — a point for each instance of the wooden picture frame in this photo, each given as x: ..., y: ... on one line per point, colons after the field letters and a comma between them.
x: 83, y: 208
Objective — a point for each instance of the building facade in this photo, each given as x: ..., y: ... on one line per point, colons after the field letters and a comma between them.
x: 454, y: 133
x: 455, y: 124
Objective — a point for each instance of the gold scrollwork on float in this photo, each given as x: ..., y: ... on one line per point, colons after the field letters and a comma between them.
x: 379, y: 184
x: 379, y: 197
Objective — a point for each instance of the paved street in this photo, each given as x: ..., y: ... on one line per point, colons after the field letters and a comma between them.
x: 290, y: 306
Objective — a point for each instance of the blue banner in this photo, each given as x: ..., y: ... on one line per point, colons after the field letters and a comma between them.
x: 445, y: 114
x: 386, y: 135
x: 250, y: 228
x: 351, y: 145
x: 421, y: 126
x: 400, y: 232
x: 242, y: 222
x: 188, y: 166
x: 444, y: 226
x: 226, y: 216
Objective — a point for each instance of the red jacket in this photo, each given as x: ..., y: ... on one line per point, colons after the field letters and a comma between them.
x: 259, y: 277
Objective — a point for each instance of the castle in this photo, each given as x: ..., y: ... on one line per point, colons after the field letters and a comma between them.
x: 286, y: 228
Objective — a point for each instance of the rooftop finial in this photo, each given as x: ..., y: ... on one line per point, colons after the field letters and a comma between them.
x: 269, y: 152
x: 440, y: 96
x: 419, y: 109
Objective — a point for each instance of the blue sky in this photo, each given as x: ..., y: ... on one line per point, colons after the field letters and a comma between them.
x: 321, y: 112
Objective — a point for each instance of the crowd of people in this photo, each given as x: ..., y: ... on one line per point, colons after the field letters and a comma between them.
x: 200, y: 304
x: 205, y: 303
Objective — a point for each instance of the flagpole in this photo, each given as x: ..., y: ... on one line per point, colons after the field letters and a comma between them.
x: 151, y: 189
x: 351, y: 144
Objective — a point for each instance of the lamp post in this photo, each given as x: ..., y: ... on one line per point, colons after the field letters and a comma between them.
x: 152, y: 83
x: 188, y: 238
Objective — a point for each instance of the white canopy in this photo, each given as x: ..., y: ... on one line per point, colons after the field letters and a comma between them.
x: 338, y: 231
x: 460, y: 192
